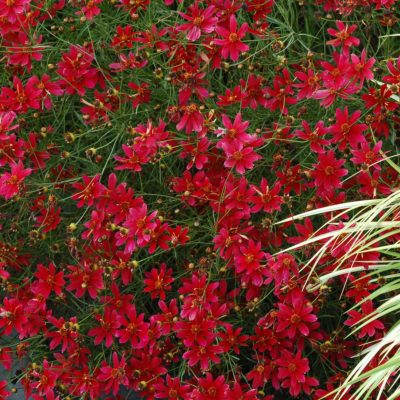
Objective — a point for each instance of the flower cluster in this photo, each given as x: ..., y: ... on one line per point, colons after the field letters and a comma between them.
x: 148, y: 150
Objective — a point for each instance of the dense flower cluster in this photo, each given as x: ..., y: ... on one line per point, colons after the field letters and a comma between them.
x: 147, y: 150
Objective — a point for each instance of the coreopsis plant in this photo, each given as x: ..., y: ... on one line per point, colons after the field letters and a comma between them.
x: 370, y: 284
x: 148, y: 150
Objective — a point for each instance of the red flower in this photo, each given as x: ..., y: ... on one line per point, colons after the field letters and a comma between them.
x: 6, y: 120
x: 22, y: 98
x: 315, y: 137
x: 296, y: 317
x: 167, y: 316
x: 67, y: 334
x: 281, y: 94
x: 37, y: 157
x: 127, y: 62
x: 232, y: 339
x: 260, y: 374
x: 85, y: 278
x: 290, y: 178
x: 197, y: 153
x: 367, y: 156
x: 346, y: 130
x: 394, y: 70
x: 12, y: 316
x: 292, y: 370
x: 197, y: 331
x: 259, y: 10
x: 114, y: 375
x: 96, y: 226
x: 253, y: 92
x: 370, y: 329
x: 361, y: 67
x: 85, y: 383
x: 124, y: 37
x: 371, y: 185
x: 142, y: 95
x: 4, y: 393
x: 12, y: 10
x: 123, y: 267
x: 203, y: 355
x: 133, y: 7
x: 379, y: 100
x: 46, y: 381
x: 90, y: 10
x: 234, y: 131
x: 49, y: 218
x: 249, y: 260
x: 343, y: 36
x: 49, y: 280
x: 158, y: 281
x: 310, y: 82
x: 172, y: 389
x: 281, y: 269
x: 22, y: 51
x: 88, y: 192
x: 237, y: 392
x: 327, y: 172
x: 134, y: 329
x: 107, y: 329
x: 266, y: 198
x: 231, y: 43
x: 76, y: 71
x: 6, y: 358
x: 231, y: 97
x: 239, y: 157
x: 137, y: 229
x: 134, y: 158
x: 192, y: 120
x: 361, y: 287
x: 120, y: 302
x: 11, y: 183
x: 200, y: 21
x: 211, y: 389
x: 335, y: 74
x: 239, y: 195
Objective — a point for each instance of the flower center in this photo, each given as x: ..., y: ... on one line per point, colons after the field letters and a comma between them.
x: 266, y: 197
x: 329, y: 170
x: 198, y: 20
x: 237, y: 155
x: 191, y: 109
x: 370, y: 155
x: 345, y: 128
x: 131, y: 328
x: 117, y: 373
x: 231, y: 133
x: 343, y: 35
x: 233, y: 37
x: 336, y: 72
x: 292, y: 367
x: 358, y: 67
x: 295, y: 319
x: 12, y: 180
x: 158, y: 283
x: 249, y: 258
x: 312, y: 81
